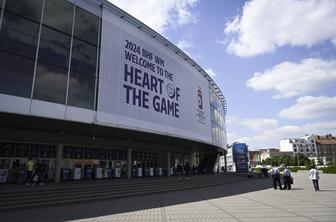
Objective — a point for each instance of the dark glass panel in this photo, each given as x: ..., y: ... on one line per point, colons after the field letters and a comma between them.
x: 81, y: 90
x: 1, y: 3
x: 50, y: 83
x: 58, y: 14
x: 84, y: 57
x: 54, y: 47
x: 16, y: 75
x: 86, y: 26
x: 26, y: 8
x: 19, y: 36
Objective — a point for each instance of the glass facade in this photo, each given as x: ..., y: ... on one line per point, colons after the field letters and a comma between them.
x: 217, y: 113
x: 56, y: 48
x: 18, y: 43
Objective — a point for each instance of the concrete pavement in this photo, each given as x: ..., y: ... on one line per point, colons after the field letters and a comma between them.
x: 250, y: 200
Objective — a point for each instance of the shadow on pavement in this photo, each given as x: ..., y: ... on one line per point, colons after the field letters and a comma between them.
x: 126, y: 205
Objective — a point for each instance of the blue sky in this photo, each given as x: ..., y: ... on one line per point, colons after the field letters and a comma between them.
x: 275, y: 61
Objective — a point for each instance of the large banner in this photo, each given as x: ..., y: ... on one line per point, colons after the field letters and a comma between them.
x: 143, y: 85
x: 240, y: 157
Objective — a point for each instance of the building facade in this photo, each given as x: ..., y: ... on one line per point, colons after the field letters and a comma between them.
x: 84, y: 85
x: 304, y: 145
x: 326, y: 150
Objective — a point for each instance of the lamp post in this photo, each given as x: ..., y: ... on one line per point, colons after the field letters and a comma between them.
x: 297, y: 156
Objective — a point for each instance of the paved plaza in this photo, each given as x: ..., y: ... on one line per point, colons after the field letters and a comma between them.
x: 251, y: 200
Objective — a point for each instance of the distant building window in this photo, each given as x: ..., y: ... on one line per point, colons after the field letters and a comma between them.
x: 294, y: 145
x: 294, y: 150
x: 307, y: 150
x: 313, y: 145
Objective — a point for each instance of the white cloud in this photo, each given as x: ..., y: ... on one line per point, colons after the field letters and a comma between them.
x: 260, y: 124
x: 160, y: 14
x: 289, y: 79
x: 265, y: 25
x: 272, y: 137
x: 309, y: 107
x: 229, y: 119
x: 185, y: 45
x: 210, y: 72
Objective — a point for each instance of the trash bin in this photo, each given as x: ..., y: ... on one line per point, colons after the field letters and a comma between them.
x: 77, y: 173
x: 3, y: 175
x: 117, y: 172
x: 88, y: 173
x: 139, y: 172
x: 133, y: 172
x: 172, y: 171
x: 99, y: 173
x: 109, y: 173
x: 65, y: 174
x: 160, y: 171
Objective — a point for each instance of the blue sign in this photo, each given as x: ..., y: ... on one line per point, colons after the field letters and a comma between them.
x: 240, y: 157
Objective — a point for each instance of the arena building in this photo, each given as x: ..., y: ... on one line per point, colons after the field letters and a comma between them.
x: 88, y: 91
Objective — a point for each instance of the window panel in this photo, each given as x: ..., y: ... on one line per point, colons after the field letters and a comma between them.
x: 1, y: 3
x: 18, y: 35
x: 84, y: 57
x: 27, y: 8
x: 50, y: 83
x: 81, y: 90
x: 86, y: 26
x: 54, y: 47
x: 58, y: 14
x: 16, y: 75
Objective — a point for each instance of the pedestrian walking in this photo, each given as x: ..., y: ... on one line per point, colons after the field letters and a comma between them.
x: 314, y: 175
x: 29, y: 171
x: 186, y: 170
x: 287, y: 179
x: 275, y: 172
x: 179, y: 170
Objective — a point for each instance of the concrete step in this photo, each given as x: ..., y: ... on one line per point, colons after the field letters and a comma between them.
x: 63, y: 195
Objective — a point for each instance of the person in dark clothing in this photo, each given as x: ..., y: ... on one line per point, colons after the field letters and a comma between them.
x: 179, y: 170
x: 186, y: 170
x: 287, y: 179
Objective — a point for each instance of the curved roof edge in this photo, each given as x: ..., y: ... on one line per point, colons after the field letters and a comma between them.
x: 140, y: 25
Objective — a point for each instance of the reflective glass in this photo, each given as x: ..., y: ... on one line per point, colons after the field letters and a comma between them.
x: 54, y: 47
x: 26, y: 8
x: 16, y: 75
x: 58, y: 14
x: 50, y: 83
x: 19, y: 35
x: 1, y: 2
x: 84, y: 57
x: 81, y: 91
x: 86, y: 26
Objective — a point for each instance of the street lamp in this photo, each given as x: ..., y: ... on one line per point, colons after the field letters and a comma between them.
x: 297, y: 156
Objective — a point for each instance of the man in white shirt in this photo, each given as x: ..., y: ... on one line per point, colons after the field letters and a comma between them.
x: 314, y: 176
x: 275, y: 172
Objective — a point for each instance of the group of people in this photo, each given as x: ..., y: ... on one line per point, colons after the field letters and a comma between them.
x: 34, y: 173
x: 288, y: 179
x: 180, y: 169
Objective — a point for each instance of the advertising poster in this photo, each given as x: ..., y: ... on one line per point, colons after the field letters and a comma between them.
x: 145, y: 85
x: 240, y: 157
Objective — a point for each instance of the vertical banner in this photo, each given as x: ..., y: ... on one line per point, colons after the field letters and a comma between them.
x: 240, y: 157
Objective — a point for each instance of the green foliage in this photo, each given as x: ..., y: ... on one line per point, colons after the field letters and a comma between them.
x: 329, y: 169
x: 289, y: 161
x: 293, y: 169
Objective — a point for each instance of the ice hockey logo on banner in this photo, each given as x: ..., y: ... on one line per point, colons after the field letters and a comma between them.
x: 199, y: 111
